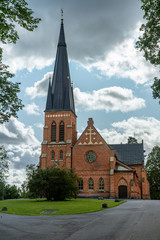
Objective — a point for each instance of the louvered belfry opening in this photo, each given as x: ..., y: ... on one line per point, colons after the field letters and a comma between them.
x: 61, y: 131
x: 53, y: 132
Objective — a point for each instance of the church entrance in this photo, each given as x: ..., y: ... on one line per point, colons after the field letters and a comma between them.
x: 122, y: 191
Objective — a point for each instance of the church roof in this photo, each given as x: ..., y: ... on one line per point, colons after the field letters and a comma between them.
x: 60, y: 91
x: 129, y: 154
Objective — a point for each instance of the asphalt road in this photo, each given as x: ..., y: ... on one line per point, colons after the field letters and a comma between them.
x: 134, y: 220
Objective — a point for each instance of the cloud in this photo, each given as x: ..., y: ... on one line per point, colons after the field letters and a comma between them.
x: 22, y: 147
x: 40, y: 87
x: 32, y: 109
x: 102, y: 36
x: 146, y: 129
x: 15, y: 132
x: 92, y: 29
x: 39, y: 125
x: 109, y: 99
x: 125, y: 61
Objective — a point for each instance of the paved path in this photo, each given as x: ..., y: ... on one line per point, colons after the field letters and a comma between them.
x: 134, y: 220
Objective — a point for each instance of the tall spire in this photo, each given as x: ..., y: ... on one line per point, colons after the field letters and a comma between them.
x: 60, y: 92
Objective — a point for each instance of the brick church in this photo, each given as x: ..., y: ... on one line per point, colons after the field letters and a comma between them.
x: 107, y: 170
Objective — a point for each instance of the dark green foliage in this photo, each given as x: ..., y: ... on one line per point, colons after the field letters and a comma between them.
x: 156, y: 88
x: 15, y: 11
x: 10, y: 104
x: 12, y: 12
x: 11, y: 192
x: 132, y: 140
x: 53, y: 183
x: 149, y: 42
x: 153, y: 172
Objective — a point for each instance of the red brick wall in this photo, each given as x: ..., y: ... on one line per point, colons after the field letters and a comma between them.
x: 70, y: 137
x: 102, y: 167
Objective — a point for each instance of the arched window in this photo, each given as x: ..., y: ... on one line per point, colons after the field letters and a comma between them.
x: 80, y: 185
x: 53, y: 155
x: 91, y: 184
x: 101, y: 184
x: 61, y: 155
x: 53, y: 132
x: 61, y: 131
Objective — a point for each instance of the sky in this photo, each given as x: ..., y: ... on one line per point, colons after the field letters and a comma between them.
x: 110, y: 76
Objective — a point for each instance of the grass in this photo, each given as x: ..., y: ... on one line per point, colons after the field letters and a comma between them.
x: 34, y: 207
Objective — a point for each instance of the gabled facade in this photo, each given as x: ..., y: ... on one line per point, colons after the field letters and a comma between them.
x: 103, y: 168
x: 112, y: 171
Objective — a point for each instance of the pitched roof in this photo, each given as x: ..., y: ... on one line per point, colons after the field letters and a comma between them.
x: 60, y: 91
x: 129, y: 154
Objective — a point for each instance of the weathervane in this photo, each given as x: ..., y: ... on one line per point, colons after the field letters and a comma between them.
x: 62, y: 15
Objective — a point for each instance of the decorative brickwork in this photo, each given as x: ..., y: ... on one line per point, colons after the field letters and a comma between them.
x: 111, y: 171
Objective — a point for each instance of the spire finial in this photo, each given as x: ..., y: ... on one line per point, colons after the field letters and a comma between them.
x: 62, y: 15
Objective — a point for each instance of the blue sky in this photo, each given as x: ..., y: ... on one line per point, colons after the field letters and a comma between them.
x: 111, y: 78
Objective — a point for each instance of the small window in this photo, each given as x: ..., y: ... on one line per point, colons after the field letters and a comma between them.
x: 91, y: 185
x: 61, y: 131
x: 53, y: 155
x: 101, y: 184
x: 53, y: 132
x: 61, y: 155
x: 80, y: 185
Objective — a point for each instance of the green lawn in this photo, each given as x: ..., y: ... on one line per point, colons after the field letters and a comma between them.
x: 36, y: 206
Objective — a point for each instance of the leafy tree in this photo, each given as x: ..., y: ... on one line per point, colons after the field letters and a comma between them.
x: 10, y: 104
x: 4, y: 168
x: 153, y: 172
x: 24, y: 190
x: 30, y: 169
x: 54, y: 183
x: 12, y: 12
x: 149, y: 42
x: 11, y: 192
x: 132, y: 140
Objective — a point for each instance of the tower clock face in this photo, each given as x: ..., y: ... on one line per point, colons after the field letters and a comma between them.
x: 90, y: 156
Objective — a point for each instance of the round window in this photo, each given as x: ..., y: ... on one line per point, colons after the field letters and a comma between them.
x: 90, y: 156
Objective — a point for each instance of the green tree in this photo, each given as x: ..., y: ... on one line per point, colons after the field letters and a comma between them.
x: 132, y: 140
x: 54, y: 183
x: 149, y: 42
x: 11, y: 192
x: 12, y: 12
x: 10, y: 104
x: 24, y: 190
x: 4, y: 168
x: 153, y: 172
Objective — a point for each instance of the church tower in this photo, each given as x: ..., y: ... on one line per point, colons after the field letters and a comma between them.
x: 59, y: 132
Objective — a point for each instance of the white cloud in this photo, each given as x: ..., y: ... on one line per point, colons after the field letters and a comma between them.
x: 96, y: 28
x: 32, y: 109
x: 125, y: 61
x: 22, y: 148
x: 109, y: 99
x: 20, y: 62
x: 14, y: 132
x: 146, y: 129
x: 40, y: 87
x: 39, y: 125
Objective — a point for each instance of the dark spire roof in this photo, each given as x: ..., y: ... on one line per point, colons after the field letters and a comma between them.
x: 60, y: 92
